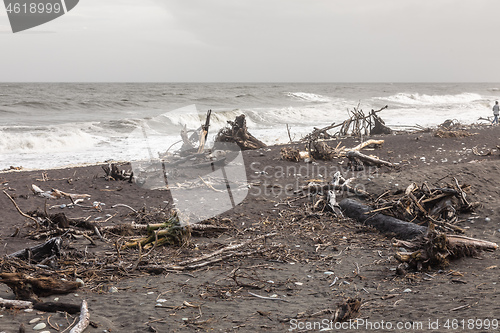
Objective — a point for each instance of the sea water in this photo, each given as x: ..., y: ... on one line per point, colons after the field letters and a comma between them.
x: 46, y: 125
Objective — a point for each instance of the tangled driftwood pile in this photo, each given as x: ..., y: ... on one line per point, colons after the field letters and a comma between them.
x: 422, y: 203
x: 415, y: 214
x: 452, y: 128
x: 320, y: 150
x: 236, y: 131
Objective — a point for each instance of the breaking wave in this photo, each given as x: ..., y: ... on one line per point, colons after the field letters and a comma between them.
x: 423, y: 99
x: 308, y: 97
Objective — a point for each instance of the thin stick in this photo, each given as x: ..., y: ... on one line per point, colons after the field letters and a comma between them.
x: 269, y: 298
x: 126, y: 206
x: 21, y: 212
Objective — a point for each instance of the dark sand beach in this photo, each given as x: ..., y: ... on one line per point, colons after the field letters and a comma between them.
x: 295, y: 268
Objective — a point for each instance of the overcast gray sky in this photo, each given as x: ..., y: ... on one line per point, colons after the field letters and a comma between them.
x: 259, y: 41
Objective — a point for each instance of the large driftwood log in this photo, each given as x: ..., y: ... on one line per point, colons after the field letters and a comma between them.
x: 26, y: 287
x: 463, y: 241
x: 388, y: 224
x: 15, y: 304
x: 367, y: 143
x: 237, y: 132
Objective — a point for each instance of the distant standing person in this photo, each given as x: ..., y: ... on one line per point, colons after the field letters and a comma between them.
x: 496, y: 112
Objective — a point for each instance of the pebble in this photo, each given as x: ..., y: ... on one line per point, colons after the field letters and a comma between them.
x: 39, y: 326
x: 56, y: 299
x: 80, y: 281
x: 113, y: 289
x: 298, y: 283
x: 408, y: 290
x: 34, y: 320
x: 487, y: 219
x: 161, y: 300
x: 329, y: 273
x: 28, y: 310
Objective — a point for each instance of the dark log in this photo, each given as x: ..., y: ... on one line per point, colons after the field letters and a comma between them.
x: 387, y: 224
x: 39, y: 252
x: 57, y: 307
x: 379, y: 127
x: 114, y: 173
x: 26, y: 287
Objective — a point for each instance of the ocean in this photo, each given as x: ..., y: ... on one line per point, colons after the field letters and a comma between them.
x: 48, y: 125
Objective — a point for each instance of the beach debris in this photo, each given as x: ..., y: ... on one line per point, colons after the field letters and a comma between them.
x: 20, y: 211
x: 452, y: 133
x: 56, y: 307
x: 388, y: 224
x: 170, y: 232
x: 15, y: 304
x: 290, y: 154
x: 219, y: 255
x: 320, y: 150
x: 38, y: 253
x: 271, y: 298
x: 424, y: 203
x: 436, y: 249
x: 26, y: 287
x: 359, y: 124
x: 56, y: 194
x: 84, y: 321
x: 452, y: 128
x: 319, y: 133
x: 357, y: 159
x: 114, y: 173
x: 236, y: 131
x: 347, y: 310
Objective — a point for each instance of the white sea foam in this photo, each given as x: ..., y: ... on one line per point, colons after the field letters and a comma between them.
x: 48, y: 140
x: 309, y: 97
x: 423, y: 99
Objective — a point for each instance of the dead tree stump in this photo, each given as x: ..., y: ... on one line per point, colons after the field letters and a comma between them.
x: 237, y: 132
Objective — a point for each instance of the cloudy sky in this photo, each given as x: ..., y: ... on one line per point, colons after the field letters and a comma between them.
x: 259, y: 41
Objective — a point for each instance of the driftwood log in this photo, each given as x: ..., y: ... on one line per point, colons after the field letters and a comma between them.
x: 15, y: 304
x: 387, y: 224
x: 114, y: 173
x: 354, y: 155
x: 237, y: 132
x: 26, y: 287
x: 84, y: 319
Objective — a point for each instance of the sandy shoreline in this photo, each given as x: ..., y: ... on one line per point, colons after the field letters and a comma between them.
x: 298, y: 265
